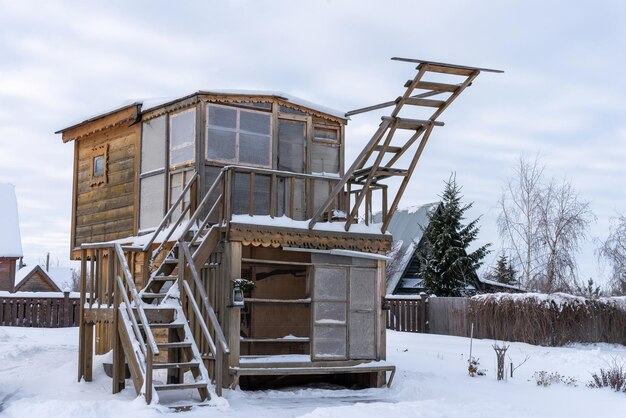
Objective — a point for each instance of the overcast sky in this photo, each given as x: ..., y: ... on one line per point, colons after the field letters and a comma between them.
x: 562, y: 96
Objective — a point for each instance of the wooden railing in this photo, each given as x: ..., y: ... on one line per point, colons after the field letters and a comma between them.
x: 114, y: 287
x: 198, y: 309
x: 275, y: 193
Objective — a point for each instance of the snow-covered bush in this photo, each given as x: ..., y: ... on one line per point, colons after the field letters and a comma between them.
x: 545, y: 379
x: 549, y: 319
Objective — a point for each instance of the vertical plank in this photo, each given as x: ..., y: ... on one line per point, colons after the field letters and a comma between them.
x: 88, y: 347
x: 273, y: 195
x: 251, y: 195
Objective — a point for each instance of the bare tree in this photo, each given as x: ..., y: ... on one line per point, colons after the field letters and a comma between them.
x: 564, y: 219
x: 613, y: 251
x: 518, y: 222
x: 544, y: 223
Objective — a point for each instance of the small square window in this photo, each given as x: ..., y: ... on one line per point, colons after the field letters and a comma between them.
x: 98, y: 166
x: 99, y: 163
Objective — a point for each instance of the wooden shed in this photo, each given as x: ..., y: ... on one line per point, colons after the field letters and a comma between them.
x: 224, y: 242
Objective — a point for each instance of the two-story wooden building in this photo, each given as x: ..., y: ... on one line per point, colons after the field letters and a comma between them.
x: 223, y: 241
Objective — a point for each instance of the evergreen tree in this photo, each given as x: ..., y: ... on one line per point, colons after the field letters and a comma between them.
x: 589, y: 290
x: 447, y: 267
x: 503, y: 272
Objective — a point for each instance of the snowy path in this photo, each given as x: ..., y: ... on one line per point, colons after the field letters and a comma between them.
x: 38, y: 367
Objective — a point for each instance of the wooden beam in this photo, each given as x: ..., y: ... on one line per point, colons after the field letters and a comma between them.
x: 446, y: 65
x: 405, y: 181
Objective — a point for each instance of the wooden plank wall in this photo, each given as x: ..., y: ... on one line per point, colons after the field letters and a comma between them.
x: 106, y: 211
x: 448, y: 316
x: 44, y: 312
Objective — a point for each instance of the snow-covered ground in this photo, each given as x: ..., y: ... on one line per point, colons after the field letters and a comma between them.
x: 38, y: 369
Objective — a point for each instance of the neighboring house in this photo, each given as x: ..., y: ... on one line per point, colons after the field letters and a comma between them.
x: 403, y: 272
x: 10, y: 239
x: 37, y: 279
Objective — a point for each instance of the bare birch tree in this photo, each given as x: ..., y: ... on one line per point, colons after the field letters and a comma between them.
x: 613, y: 251
x: 518, y: 222
x: 543, y: 223
x: 563, y: 222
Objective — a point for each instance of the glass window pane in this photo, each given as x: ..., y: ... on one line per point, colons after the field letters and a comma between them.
x: 254, y: 149
x: 223, y: 117
x: 151, y: 201
x: 222, y: 145
x: 182, y: 137
x: 98, y: 166
x: 254, y: 122
x: 153, y: 135
x: 291, y: 145
x: 325, y: 134
x: 324, y: 158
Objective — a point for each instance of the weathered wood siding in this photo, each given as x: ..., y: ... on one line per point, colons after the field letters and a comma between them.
x: 7, y: 273
x: 36, y: 282
x: 106, y: 211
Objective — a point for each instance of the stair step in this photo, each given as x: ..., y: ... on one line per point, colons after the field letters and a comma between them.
x: 170, y: 261
x: 427, y: 85
x: 165, y: 325
x: 164, y: 278
x: 424, y: 102
x: 150, y: 295
x: 178, y: 386
x: 178, y: 344
x: 175, y: 365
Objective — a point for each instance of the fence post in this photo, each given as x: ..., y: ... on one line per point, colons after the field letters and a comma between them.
x: 66, y: 309
x: 424, y: 313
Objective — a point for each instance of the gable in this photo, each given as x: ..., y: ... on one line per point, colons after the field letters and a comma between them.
x: 34, y: 279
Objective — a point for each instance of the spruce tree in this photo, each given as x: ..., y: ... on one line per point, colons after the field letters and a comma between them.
x: 447, y: 266
x: 503, y: 272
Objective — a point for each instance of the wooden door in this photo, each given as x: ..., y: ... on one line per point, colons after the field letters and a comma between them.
x: 329, y: 317
x: 362, y: 313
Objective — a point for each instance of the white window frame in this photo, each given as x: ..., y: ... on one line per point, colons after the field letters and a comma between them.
x: 237, y: 132
x: 193, y: 141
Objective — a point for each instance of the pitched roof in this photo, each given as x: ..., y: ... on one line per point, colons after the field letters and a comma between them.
x: 10, y: 239
x: 23, y: 274
x: 407, y: 227
x: 154, y: 103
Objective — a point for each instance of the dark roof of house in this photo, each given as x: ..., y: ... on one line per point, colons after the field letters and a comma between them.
x: 407, y: 227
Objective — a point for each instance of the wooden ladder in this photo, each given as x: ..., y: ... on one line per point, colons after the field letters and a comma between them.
x: 368, y: 178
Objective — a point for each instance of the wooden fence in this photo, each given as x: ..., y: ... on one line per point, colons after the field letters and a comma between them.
x: 408, y: 315
x: 525, y: 320
x: 48, y: 311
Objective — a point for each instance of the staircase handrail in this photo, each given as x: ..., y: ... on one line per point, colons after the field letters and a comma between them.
x: 169, y: 214
x: 204, y: 298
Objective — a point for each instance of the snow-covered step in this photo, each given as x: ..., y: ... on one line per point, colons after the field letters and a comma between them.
x: 179, y: 365
x: 177, y: 344
x: 178, y: 386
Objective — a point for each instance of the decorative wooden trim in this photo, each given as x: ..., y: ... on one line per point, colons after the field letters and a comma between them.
x: 99, y: 151
x: 268, y: 236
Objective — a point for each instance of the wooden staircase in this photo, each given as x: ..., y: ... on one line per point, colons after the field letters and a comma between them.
x: 379, y: 160
x: 168, y: 333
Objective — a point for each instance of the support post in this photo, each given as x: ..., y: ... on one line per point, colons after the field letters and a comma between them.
x: 231, y: 315
x: 119, y: 366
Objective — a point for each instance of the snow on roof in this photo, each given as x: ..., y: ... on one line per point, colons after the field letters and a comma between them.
x: 10, y: 239
x: 150, y: 104
x: 60, y: 276
x: 407, y: 227
x: 22, y: 273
